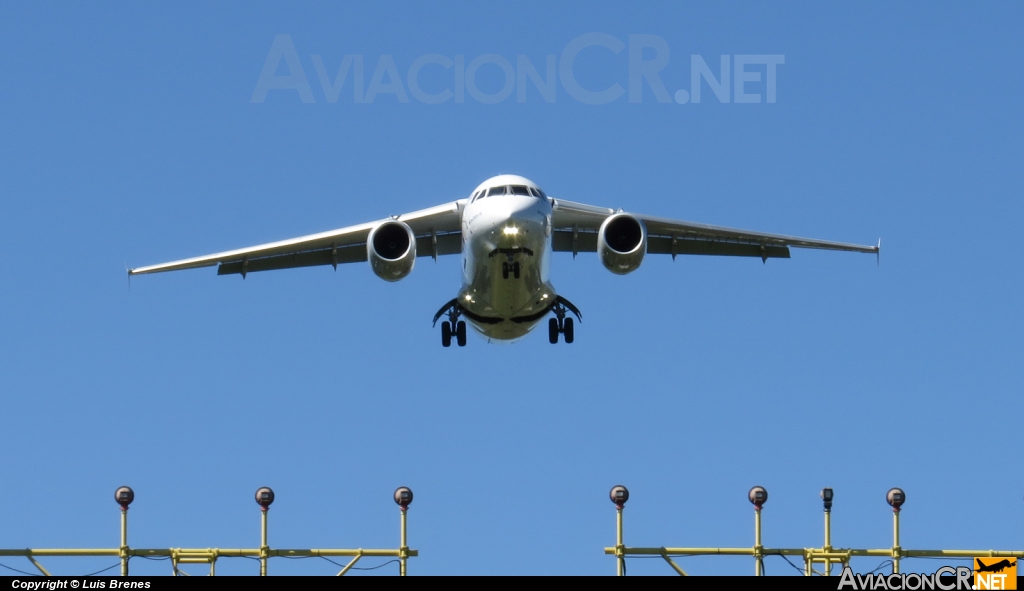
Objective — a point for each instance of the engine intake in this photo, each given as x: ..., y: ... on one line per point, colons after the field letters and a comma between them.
x: 622, y: 243
x: 391, y: 250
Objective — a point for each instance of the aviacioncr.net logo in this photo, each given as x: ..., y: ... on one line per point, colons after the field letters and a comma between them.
x: 435, y: 79
x: 910, y: 581
x: 995, y: 573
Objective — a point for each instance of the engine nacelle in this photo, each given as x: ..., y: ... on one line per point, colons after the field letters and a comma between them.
x: 622, y: 243
x: 391, y: 250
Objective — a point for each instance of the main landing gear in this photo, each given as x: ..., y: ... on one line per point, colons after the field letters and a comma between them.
x: 561, y: 324
x: 556, y: 327
x: 459, y: 333
x: 453, y: 326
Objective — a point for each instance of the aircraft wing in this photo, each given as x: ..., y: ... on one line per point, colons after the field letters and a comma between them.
x: 437, y: 229
x: 576, y: 225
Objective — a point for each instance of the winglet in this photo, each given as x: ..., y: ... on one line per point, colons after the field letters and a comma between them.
x: 878, y: 253
x: 129, y: 272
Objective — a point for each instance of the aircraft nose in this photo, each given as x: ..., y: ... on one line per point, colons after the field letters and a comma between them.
x: 517, y: 208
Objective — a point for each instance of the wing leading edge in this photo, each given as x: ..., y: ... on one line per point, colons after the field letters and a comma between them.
x: 576, y: 226
x: 437, y: 230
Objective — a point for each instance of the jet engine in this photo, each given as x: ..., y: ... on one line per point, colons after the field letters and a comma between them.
x: 391, y: 250
x: 622, y: 243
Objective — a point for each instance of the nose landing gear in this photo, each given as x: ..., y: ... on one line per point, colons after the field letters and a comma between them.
x: 512, y: 268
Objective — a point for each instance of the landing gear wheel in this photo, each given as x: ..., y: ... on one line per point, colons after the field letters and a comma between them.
x: 567, y: 330
x: 504, y: 270
x: 515, y: 269
x: 460, y: 333
x: 446, y: 334
x: 553, y: 331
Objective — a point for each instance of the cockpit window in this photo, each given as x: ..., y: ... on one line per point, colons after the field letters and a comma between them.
x: 508, y: 190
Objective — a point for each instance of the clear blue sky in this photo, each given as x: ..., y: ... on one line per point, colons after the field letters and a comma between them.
x: 128, y: 135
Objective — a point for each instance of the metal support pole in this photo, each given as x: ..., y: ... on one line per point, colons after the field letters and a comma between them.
x: 620, y: 548
x: 264, y: 548
x: 123, y: 550
x: 758, y: 548
x: 896, y: 550
x: 828, y: 542
x: 403, y: 549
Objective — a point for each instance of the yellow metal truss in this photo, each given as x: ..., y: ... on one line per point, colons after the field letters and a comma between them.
x: 180, y: 556
x: 826, y: 555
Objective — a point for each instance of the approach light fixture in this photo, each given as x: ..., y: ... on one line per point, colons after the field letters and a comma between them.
x: 619, y: 495
x: 124, y: 496
x: 758, y: 496
x: 403, y: 496
x: 896, y: 497
x: 264, y: 496
x: 826, y: 496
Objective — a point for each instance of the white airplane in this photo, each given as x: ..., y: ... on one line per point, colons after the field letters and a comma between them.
x: 506, y: 231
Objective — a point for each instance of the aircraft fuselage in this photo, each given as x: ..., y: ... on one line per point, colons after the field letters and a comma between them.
x: 506, y: 256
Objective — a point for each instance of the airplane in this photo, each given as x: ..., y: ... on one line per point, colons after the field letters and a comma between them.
x: 505, y: 231
x: 995, y: 567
